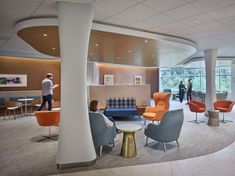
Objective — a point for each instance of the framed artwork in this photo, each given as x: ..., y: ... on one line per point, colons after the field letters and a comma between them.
x: 108, y: 79
x: 9, y: 80
x: 138, y: 79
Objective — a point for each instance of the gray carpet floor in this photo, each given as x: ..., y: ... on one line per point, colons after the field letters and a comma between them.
x: 22, y: 154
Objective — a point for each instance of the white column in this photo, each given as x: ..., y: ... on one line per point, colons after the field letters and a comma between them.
x: 75, y: 146
x: 232, y: 96
x: 210, y: 63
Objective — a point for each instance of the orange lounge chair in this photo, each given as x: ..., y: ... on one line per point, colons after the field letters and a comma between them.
x: 48, y: 119
x: 197, y: 107
x: 224, y: 106
x: 161, y: 100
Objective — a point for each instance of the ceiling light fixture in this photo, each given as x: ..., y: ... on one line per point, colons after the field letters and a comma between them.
x: 53, y: 48
x: 96, y: 44
x: 129, y: 51
x: 196, y: 20
x: 145, y: 41
x: 45, y: 35
x: 118, y: 58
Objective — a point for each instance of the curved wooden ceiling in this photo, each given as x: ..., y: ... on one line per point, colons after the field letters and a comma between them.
x: 110, y: 47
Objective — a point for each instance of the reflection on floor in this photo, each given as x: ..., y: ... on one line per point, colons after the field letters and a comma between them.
x: 23, y: 155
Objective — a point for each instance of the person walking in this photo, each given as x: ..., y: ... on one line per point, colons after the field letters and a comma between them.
x: 189, y: 91
x: 47, y: 91
x: 181, y: 91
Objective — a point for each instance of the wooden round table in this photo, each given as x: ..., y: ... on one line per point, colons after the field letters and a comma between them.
x: 128, y: 145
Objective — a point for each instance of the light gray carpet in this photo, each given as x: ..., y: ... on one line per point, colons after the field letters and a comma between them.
x: 21, y: 154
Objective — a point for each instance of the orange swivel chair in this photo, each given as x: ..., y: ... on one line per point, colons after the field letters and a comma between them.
x: 198, y: 107
x: 161, y: 100
x: 48, y: 119
x: 224, y: 106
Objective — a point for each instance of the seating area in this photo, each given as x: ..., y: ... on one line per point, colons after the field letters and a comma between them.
x: 117, y: 87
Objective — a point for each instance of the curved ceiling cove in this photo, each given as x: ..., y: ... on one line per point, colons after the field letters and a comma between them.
x: 109, y: 46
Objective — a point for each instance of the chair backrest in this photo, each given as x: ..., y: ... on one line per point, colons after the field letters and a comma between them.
x: 161, y: 100
x: 47, y: 118
x: 13, y: 104
x: 167, y: 90
x: 171, y: 125
x: 97, y: 122
x: 221, y: 96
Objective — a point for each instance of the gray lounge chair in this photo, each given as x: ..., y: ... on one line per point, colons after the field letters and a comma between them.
x: 101, y: 134
x: 169, y: 128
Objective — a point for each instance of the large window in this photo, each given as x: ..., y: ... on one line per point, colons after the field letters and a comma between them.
x: 170, y: 78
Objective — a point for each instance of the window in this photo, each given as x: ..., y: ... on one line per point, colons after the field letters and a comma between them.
x: 170, y: 78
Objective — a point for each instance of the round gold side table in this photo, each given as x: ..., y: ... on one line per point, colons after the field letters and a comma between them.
x: 128, y: 149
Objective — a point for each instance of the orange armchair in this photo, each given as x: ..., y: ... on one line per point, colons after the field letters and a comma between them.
x: 197, y: 107
x: 161, y: 100
x: 48, y: 119
x: 224, y: 106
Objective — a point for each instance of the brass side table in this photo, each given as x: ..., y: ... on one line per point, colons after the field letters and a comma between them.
x: 128, y: 149
x: 213, y: 118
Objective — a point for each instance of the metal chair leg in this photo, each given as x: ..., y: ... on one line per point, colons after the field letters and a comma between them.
x: 224, y: 121
x: 196, y: 120
x: 164, y: 145
x: 5, y: 114
x: 144, y: 121
x: 101, y: 149
x: 146, y: 142
x: 177, y: 143
x: 113, y: 143
x: 14, y: 111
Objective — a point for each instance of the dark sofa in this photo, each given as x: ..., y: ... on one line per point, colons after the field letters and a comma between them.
x: 121, y: 107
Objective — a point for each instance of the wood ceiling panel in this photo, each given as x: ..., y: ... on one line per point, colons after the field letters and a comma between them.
x: 105, y: 46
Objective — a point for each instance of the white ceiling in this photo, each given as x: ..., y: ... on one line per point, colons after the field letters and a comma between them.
x: 209, y: 23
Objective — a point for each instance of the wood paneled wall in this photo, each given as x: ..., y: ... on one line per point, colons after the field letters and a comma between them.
x: 126, y: 74
x: 35, y: 69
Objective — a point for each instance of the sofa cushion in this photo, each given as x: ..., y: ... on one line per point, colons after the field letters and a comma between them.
x: 120, y: 112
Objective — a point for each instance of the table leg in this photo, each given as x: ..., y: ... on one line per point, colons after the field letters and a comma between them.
x: 128, y: 145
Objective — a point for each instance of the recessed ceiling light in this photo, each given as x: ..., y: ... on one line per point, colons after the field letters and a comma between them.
x: 91, y: 54
x: 129, y: 51
x: 145, y: 41
x: 53, y: 48
x: 196, y: 20
x: 118, y: 57
x: 96, y: 44
x: 45, y: 35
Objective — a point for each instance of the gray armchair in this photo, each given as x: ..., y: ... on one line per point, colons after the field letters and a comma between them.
x: 101, y: 134
x: 169, y: 128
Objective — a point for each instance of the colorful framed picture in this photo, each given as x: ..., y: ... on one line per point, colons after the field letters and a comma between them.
x: 108, y: 79
x: 8, y: 80
x: 138, y: 79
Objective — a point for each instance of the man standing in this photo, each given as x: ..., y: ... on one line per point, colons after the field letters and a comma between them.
x: 189, y: 90
x: 47, y: 91
x: 181, y: 91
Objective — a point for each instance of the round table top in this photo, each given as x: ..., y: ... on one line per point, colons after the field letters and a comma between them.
x: 212, y: 110
x: 25, y: 99
x: 129, y: 127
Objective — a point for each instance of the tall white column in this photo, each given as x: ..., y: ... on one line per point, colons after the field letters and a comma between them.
x: 210, y: 62
x: 75, y: 146
x: 232, y: 96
